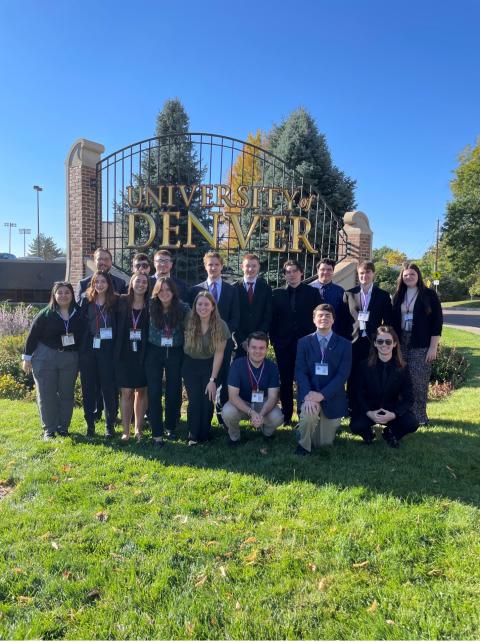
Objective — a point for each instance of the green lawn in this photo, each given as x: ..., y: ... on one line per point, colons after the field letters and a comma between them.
x: 103, y: 541
x: 462, y: 304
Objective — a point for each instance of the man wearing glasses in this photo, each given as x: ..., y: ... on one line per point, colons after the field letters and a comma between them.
x: 163, y: 263
x: 103, y: 262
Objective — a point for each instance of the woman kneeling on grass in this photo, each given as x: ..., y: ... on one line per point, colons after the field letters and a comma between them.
x: 206, y: 335
x: 383, y: 392
x: 165, y: 354
x: 99, y: 309
x: 51, y: 353
x: 132, y: 322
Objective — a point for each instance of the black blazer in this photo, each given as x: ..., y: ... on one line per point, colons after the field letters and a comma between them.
x: 396, y: 395
x: 288, y: 326
x: 87, y: 344
x: 380, y: 308
x: 256, y: 316
x: 228, y: 305
x: 427, y: 319
x: 119, y: 286
x: 124, y: 324
x: 182, y: 287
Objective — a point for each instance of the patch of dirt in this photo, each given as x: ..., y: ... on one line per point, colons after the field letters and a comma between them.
x: 5, y: 489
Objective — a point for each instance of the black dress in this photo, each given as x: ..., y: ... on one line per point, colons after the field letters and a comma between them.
x: 129, y: 364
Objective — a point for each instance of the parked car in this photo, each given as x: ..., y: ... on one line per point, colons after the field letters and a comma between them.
x: 6, y: 256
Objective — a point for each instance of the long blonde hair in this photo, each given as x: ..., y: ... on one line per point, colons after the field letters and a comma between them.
x: 193, y: 327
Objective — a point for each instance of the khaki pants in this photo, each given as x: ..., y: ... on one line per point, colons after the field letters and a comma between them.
x: 317, y: 430
x: 232, y: 417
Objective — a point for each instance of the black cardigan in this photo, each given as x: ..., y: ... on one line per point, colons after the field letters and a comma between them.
x: 425, y: 325
x: 371, y: 394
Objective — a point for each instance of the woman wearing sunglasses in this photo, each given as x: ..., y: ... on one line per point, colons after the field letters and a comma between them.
x: 383, y: 392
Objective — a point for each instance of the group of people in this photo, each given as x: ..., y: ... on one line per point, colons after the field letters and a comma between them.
x: 357, y: 353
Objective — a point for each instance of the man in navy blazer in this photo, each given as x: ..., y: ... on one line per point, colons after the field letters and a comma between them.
x: 103, y: 262
x: 228, y: 306
x: 322, y: 367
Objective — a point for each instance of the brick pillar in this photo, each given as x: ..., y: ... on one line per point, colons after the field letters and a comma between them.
x: 357, y: 228
x: 80, y: 169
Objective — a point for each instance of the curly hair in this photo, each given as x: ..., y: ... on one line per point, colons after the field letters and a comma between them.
x: 193, y: 327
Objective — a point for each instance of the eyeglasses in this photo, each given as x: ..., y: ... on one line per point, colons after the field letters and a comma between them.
x: 387, y: 342
x: 140, y: 265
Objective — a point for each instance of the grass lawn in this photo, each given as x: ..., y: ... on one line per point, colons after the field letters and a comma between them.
x: 99, y: 540
x: 462, y: 304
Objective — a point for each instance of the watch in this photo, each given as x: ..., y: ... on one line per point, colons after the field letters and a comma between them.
x: 213, y: 379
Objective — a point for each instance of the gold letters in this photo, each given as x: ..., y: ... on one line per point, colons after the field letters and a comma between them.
x: 131, y: 229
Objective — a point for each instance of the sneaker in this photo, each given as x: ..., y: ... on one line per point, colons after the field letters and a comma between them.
x: 48, y: 436
x: 301, y: 451
x: 390, y: 438
x: 192, y: 442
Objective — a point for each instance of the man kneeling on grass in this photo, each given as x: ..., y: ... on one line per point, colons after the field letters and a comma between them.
x: 253, y: 387
x: 322, y: 368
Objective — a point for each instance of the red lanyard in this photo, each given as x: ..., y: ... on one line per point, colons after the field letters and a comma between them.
x: 135, y: 320
x: 252, y: 377
x: 100, y: 309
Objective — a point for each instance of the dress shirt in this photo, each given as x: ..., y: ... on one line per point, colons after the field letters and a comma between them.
x: 219, y: 287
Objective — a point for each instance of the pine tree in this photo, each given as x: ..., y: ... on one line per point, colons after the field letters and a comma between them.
x: 45, y: 247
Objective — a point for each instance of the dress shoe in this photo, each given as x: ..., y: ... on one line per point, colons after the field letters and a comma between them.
x: 302, y: 452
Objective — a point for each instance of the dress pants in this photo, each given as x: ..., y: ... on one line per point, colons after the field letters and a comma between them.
x: 286, y: 366
x: 157, y: 361
x: 97, y: 369
x: 55, y: 372
x: 317, y: 430
x: 196, y: 375
x: 223, y: 374
x: 399, y: 427
x: 360, y: 352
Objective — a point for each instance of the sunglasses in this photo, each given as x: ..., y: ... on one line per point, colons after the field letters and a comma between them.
x: 387, y: 342
x: 140, y: 265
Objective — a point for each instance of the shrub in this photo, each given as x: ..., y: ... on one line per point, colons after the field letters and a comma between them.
x: 15, y: 319
x: 11, y: 349
x: 449, y: 366
x: 11, y: 389
x: 438, y: 391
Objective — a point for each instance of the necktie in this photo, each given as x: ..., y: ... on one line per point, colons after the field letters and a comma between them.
x: 250, y: 293
x: 323, y: 347
x: 214, y: 291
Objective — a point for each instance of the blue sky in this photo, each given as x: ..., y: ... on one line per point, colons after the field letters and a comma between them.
x: 394, y: 86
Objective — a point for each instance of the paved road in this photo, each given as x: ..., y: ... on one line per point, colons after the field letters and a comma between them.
x: 462, y: 319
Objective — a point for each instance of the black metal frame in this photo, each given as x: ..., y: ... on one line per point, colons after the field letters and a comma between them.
x: 132, y: 165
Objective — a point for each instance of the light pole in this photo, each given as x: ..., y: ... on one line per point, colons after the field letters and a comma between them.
x: 24, y: 231
x: 38, y: 189
x: 10, y: 225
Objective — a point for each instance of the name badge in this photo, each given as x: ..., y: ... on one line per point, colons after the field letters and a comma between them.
x: 134, y: 346
x: 321, y: 369
x: 135, y: 335
x: 106, y: 333
x: 166, y: 342
x: 364, y: 316
x: 257, y: 397
x: 68, y: 340
x: 409, y: 316
x: 97, y: 343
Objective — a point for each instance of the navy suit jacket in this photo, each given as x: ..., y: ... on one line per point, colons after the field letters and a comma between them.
x: 332, y: 386
x: 119, y: 286
x: 228, y: 304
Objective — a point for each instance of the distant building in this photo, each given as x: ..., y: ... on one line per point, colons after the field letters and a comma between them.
x: 24, y: 280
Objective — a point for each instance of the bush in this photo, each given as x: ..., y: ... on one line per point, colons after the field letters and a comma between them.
x: 11, y: 389
x: 449, y: 366
x: 11, y: 349
x: 15, y: 319
x: 452, y: 288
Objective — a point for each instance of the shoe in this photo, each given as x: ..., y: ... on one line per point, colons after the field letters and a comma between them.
x: 125, y: 437
x: 192, y: 442
x: 90, y: 430
x: 158, y: 443
x: 170, y: 434
x: 62, y: 433
x: 48, y: 436
x: 109, y: 432
x: 369, y: 439
x: 301, y: 451
x: 424, y: 423
x: 138, y: 436
x: 287, y: 421
x: 234, y: 444
x: 268, y: 438
x: 390, y: 438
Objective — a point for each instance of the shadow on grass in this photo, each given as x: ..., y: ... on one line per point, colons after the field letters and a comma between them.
x: 435, y: 462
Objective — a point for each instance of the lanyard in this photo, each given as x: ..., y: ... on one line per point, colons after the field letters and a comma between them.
x: 135, y: 320
x: 252, y: 377
x: 66, y: 321
x: 100, y: 309
x: 409, y: 303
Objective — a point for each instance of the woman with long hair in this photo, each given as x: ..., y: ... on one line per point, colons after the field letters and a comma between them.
x: 132, y: 335
x: 418, y: 320
x: 206, y: 335
x: 383, y: 391
x: 165, y: 354
x: 99, y: 308
x: 51, y: 353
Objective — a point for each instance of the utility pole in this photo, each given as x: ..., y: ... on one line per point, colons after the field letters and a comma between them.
x: 10, y: 225
x: 436, y: 245
x: 24, y: 231
x: 38, y: 189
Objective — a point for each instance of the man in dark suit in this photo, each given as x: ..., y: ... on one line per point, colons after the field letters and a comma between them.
x: 226, y: 297
x: 163, y: 262
x: 255, y: 299
x: 103, y: 262
x: 322, y: 367
x: 292, y: 309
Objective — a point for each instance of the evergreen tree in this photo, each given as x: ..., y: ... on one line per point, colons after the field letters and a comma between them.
x: 45, y: 247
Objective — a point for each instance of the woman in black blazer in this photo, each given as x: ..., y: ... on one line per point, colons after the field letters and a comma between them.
x: 383, y: 391
x: 418, y: 321
x: 132, y: 336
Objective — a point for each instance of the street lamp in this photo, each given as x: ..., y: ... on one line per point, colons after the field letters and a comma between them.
x: 24, y: 231
x: 10, y: 225
x: 38, y: 189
